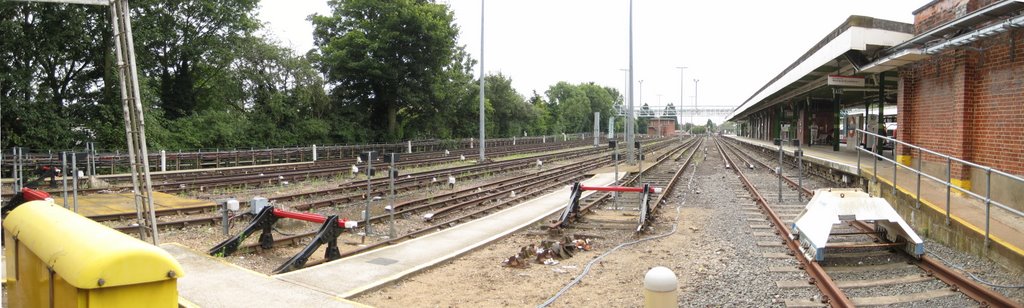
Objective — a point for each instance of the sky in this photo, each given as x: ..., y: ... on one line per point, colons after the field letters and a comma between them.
x: 732, y: 47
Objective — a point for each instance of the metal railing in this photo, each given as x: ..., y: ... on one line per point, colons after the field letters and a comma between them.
x: 987, y: 198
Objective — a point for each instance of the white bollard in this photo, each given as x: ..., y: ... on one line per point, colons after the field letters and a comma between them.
x: 660, y: 288
x: 314, y: 153
x: 163, y: 160
x: 408, y: 146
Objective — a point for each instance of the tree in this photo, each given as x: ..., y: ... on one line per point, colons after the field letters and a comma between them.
x: 544, y: 120
x: 50, y: 58
x: 188, y: 48
x: 511, y: 113
x: 382, y: 56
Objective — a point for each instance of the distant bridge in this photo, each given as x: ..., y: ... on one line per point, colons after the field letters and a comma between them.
x: 670, y: 110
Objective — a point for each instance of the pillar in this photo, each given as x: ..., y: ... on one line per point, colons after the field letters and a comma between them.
x: 837, y: 100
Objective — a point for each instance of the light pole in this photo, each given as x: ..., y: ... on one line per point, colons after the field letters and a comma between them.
x: 482, y: 134
x: 640, y: 94
x: 629, y: 107
x: 625, y: 92
x: 625, y: 81
x: 695, y: 81
x: 659, y: 119
x: 682, y: 70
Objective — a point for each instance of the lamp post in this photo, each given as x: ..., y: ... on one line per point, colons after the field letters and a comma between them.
x: 629, y: 107
x: 640, y: 93
x: 695, y: 81
x: 682, y: 71
x: 482, y: 73
x: 625, y: 85
x: 625, y: 94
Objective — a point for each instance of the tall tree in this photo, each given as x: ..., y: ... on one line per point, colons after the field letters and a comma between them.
x: 382, y: 56
x: 188, y: 47
x: 50, y: 57
x: 511, y: 113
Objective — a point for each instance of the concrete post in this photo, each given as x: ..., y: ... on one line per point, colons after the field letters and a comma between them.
x: 314, y: 153
x: 163, y: 160
x: 660, y: 288
x: 611, y: 127
x: 408, y: 146
x: 597, y: 128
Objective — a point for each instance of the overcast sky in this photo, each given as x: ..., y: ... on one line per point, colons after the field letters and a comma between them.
x: 732, y: 47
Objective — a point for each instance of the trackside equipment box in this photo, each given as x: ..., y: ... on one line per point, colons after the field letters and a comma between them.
x: 56, y: 258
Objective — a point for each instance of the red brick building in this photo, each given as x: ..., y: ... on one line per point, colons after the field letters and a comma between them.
x: 956, y: 77
x: 966, y: 100
x: 661, y: 127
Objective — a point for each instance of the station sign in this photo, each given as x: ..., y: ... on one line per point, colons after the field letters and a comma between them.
x: 845, y: 81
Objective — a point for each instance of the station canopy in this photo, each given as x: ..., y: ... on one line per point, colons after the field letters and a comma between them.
x: 835, y: 60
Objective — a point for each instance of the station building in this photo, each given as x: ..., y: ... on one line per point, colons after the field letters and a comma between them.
x: 952, y: 82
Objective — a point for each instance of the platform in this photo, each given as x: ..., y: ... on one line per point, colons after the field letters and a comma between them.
x: 95, y: 205
x: 211, y: 282
x: 373, y: 269
x: 1005, y: 229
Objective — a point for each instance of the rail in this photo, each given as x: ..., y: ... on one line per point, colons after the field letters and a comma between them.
x: 987, y: 199
x: 834, y: 296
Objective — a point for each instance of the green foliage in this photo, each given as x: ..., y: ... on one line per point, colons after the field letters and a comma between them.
x: 573, y: 106
x: 385, y: 56
x: 391, y: 69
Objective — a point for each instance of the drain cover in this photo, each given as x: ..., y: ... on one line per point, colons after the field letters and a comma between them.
x: 383, y: 261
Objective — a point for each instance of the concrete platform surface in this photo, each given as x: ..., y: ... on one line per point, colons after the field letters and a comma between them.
x: 210, y: 282
x: 1005, y: 228
x: 375, y: 268
x: 124, y: 203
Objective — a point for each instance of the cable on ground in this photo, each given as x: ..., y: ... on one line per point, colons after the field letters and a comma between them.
x: 590, y: 264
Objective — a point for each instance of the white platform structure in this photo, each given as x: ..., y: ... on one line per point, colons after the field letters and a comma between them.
x: 833, y: 206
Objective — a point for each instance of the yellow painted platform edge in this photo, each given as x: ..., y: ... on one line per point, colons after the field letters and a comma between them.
x: 957, y: 182
x: 963, y: 222
x: 904, y: 159
x: 334, y: 297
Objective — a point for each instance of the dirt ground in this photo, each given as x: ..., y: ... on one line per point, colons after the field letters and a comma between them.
x: 478, y: 279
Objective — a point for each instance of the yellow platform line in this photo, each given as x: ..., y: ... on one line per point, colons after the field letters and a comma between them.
x: 963, y: 222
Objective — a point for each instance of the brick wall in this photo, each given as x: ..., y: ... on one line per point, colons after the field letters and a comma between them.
x: 968, y: 102
x: 997, y: 131
x: 667, y: 127
x: 937, y: 13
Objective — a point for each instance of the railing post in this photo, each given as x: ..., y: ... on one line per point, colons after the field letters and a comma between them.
x: 875, y: 172
x: 919, y: 159
x: 988, y: 202
x: 949, y: 179
x: 858, y: 163
x: 895, y: 169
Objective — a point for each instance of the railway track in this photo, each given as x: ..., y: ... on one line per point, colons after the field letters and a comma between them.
x: 663, y: 174
x: 256, y: 176
x: 350, y: 192
x: 446, y: 210
x: 114, y: 162
x: 864, y: 270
